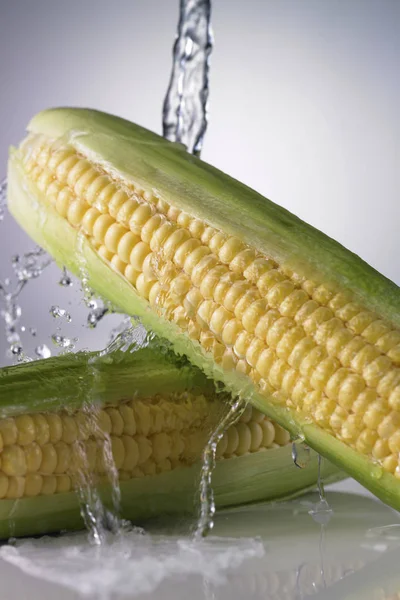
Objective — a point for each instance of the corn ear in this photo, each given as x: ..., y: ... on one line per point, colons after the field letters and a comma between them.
x: 144, y: 414
x: 281, y: 314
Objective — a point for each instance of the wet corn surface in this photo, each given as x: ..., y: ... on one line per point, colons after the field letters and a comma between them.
x: 49, y: 453
x: 310, y: 347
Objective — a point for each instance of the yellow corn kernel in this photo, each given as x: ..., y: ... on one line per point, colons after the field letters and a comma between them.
x: 49, y: 459
x: 245, y: 440
x: 104, y: 422
x: 70, y: 429
x: 33, y: 457
x: 117, y: 423
x: 3, y: 486
x: 63, y: 452
x: 13, y: 461
x: 49, y: 486
x: 8, y: 431
x: 145, y: 448
x: 282, y: 437
x: 161, y: 444
x: 89, y: 219
x: 366, y: 441
x: 33, y: 484
x: 128, y: 420
x: 131, y: 453
x: 268, y: 430
x: 256, y: 433
x: 55, y: 427
x: 16, y: 487
x: 64, y: 484
x: 26, y: 430
x: 42, y: 429
x: 118, y: 451
x: 232, y: 440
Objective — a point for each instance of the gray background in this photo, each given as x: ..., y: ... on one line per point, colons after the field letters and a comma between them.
x: 304, y: 106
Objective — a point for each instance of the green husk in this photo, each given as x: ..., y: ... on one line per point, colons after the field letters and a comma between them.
x: 75, y: 380
x: 130, y: 152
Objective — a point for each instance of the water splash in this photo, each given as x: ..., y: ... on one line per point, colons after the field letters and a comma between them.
x: 3, y: 198
x: 63, y: 341
x: 42, y: 351
x: 26, y: 267
x: 131, y: 565
x: 207, y: 504
x: 185, y: 106
x: 99, y: 519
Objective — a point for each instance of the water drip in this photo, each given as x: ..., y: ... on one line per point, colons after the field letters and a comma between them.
x: 321, y: 512
x: 300, y: 454
x: 65, y: 280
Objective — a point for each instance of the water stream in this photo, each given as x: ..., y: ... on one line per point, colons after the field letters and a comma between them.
x: 185, y: 114
x: 207, y: 505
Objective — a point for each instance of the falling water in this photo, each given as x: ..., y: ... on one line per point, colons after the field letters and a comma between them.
x: 98, y: 518
x: 207, y: 504
x: 321, y: 512
x: 185, y: 105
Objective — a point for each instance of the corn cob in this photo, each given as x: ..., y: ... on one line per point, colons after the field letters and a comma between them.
x: 62, y: 419
x: 259, y: 300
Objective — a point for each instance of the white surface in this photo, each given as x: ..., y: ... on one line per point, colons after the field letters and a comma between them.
x: 262, y: 552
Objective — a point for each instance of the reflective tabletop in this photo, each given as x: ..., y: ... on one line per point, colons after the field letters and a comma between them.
x: 283, y: 551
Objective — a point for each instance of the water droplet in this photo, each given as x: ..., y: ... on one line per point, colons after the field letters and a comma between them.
x: 95, y: 316
x: 92, y: 303
x: 58, y: 312
x: 65, y: 280
x: 26, y: 267
x: 42, y: 351
x: 3, y: 199
x: 16, y: 349
x: 321, y: 512
x: 376, y: 471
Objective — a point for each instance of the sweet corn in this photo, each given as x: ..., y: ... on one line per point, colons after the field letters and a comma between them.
x: 251, y: 294
x: 144, y: 415
x: 136, y: 436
